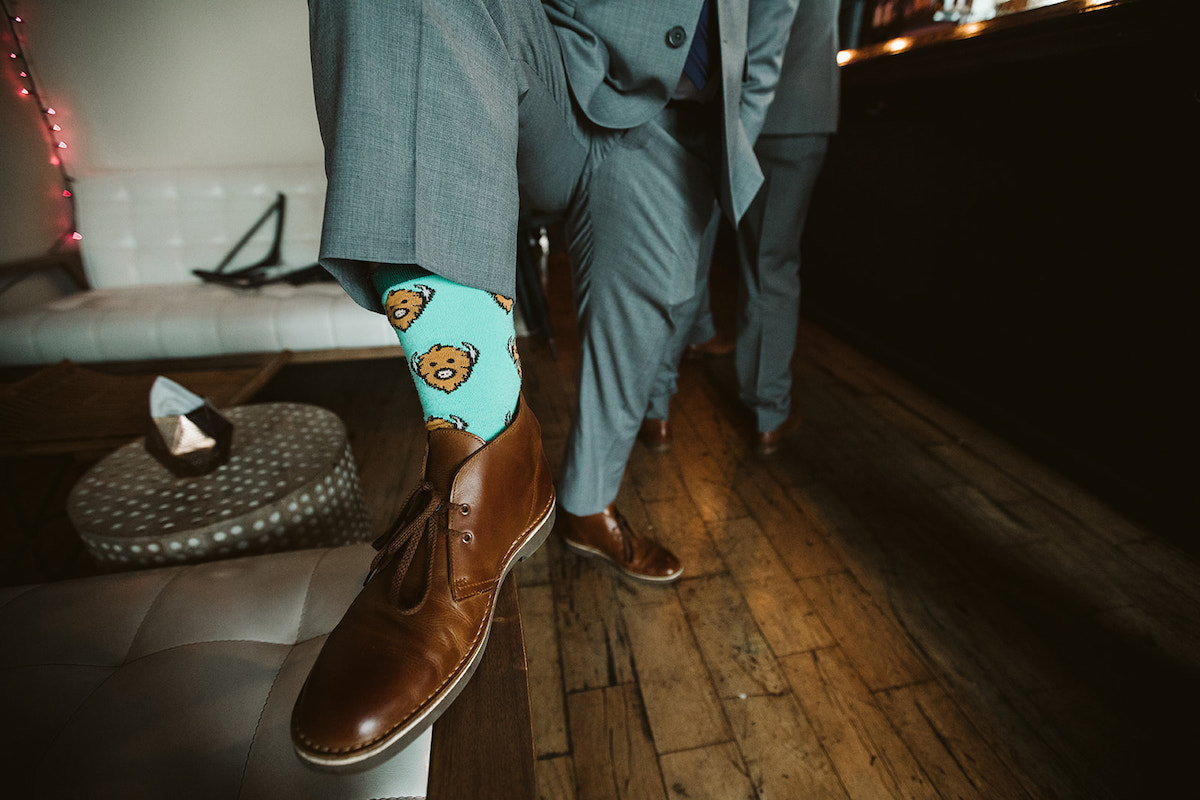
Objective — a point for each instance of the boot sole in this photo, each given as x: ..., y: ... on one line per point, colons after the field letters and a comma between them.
x: 406, y: 735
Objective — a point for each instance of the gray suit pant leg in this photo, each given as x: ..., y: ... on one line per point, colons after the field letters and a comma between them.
x: 436, y: 117
x: 769, y: 252
x: 634, y: 238
x: 695, y: 325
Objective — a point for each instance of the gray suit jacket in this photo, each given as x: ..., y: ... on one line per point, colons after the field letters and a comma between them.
x: 623, y: 68
x: 806, y: 101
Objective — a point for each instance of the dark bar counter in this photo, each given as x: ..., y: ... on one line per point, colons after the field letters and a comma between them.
x: 1009, y: 217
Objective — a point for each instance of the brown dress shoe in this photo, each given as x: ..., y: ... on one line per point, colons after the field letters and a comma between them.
x: 718, y: 345
x: 413, y: 637
x: 608, y: 536
x: 656, y: 435
x: 767, y: 442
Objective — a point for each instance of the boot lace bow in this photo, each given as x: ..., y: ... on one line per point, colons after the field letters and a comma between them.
x: 406, y: 537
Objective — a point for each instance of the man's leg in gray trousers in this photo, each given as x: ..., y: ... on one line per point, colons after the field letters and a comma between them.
x: 434, y: 117
x: 635, y: 234
x: 695, y: 325
x: 769, y: 252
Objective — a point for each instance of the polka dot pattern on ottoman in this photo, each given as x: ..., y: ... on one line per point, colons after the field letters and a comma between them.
x: 290, y: 483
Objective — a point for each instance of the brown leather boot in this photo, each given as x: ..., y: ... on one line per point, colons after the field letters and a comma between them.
x: 413, y: 637
x: 607, y: 535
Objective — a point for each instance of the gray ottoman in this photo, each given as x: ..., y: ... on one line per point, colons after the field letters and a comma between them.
x: 290, y: 483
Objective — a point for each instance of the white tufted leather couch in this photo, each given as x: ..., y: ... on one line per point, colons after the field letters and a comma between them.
x: 144, y: 233
x: 178, y: 683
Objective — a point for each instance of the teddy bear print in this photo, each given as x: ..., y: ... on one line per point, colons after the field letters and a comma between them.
x: 452, y: 421
x: 445, y: 367
x: 405, y: 305
x: 504, y: 302
x: 514, y: 355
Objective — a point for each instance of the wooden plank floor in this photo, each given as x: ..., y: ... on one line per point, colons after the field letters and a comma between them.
x: 896, y: 605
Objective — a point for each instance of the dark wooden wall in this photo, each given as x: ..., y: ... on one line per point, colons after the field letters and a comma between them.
x: 1012, y: 220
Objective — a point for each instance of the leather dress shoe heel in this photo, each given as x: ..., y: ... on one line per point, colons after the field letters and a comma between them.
x: 607, y: 535
x: 413, y: 637
x: 768, y: 442
x: 655, y: 434
x: 719, y: 345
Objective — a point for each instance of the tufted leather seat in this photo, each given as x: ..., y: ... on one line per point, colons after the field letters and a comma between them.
x: 178, y: 682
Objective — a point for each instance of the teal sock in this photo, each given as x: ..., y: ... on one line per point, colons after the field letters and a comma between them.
x: 461, y: 347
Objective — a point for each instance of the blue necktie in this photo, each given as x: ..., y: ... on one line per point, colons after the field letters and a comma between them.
x: 696, y: 66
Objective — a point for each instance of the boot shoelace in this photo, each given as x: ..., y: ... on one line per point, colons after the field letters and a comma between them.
x: 407, y: 538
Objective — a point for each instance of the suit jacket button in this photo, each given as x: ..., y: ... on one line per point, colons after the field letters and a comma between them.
x: 676, y: 36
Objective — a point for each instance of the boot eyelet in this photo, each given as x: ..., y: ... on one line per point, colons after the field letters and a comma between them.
x: 464, y: 509
x: 467, y: 537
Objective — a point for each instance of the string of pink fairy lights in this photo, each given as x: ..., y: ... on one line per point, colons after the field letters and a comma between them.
x: 28, y: 88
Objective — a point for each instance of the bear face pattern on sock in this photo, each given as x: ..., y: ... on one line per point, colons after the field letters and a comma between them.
x: 515, y: 356
x: 445, y: 367
x: 461, y: 346
x: 437, y: 423
x: 405, y: 305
